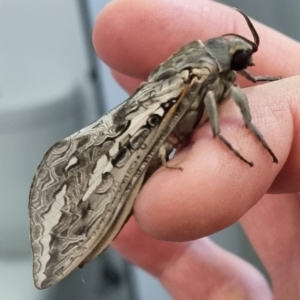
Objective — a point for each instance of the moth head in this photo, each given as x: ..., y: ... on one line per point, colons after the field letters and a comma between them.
x: 243, y: 48
x: 236, y: 53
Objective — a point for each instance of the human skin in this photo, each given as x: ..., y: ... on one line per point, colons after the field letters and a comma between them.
x: 175, y: 209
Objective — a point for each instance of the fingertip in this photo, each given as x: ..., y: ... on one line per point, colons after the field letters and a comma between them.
x: 215, y: 187
x: 128, y: 83
x: 133, y: 37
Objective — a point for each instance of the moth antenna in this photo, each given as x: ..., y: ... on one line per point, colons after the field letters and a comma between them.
x: 250, y: 25
x: 255, y: 35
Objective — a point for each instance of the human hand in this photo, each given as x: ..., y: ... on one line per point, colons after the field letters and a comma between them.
x: 215, y: 188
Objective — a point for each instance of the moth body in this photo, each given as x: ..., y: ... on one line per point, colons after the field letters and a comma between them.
x: 86, y: 184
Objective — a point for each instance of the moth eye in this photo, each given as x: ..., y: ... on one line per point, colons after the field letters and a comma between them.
x: 240, y: 60
x: 153, y: 120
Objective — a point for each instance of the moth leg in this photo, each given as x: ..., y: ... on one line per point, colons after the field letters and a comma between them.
x: 211, y: 107
x: 173, y: 140
x: 255, y: 79
x: 161, y: 158
x: 241, y: 100
x: 165, y: 150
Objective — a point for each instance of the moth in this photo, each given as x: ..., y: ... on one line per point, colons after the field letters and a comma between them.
x: 85, y: 186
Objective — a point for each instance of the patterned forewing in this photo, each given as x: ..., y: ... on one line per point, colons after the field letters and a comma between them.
x: 83, y: 181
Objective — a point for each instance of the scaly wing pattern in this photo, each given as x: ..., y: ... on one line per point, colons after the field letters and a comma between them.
x: 82, y: 184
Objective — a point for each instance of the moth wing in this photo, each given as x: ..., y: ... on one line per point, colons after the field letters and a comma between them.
x: 82, y: 185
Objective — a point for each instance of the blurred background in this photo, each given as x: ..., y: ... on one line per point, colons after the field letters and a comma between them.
x: 51, y: 85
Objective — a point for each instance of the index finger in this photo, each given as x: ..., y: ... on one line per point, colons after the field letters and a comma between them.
x: 133, y: 37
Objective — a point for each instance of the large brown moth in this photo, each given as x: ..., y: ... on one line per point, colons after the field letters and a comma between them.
x: 85, y: 186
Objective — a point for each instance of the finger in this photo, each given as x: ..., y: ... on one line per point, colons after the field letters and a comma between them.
x: 134, y: 36
x: 192, y: 270
x: 129, y: 84
x: 276, y: 111
x: 215, y: 188
x: 273, y: 227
